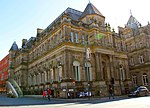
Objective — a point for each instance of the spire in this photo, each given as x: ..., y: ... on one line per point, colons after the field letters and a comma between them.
x: 90, y: 9
x: 14, y: 46
x: 130, y: 12
x: 89, y: 1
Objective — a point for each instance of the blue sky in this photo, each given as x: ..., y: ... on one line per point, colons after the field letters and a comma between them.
x: 19, y: 19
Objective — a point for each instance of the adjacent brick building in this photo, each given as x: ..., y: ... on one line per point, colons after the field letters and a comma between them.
x: 3, y: 73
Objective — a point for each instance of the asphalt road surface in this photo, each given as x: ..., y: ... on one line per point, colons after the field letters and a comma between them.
x: 141, y: 102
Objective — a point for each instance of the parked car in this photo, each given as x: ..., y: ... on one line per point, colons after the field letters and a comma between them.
x: 84, y: 94
x: 139, y: 91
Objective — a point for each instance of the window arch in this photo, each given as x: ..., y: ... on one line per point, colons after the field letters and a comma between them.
x: 88, y: 71
x: 76, y: 70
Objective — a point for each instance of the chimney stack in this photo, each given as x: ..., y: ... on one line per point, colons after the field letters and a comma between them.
x: 39, y: 31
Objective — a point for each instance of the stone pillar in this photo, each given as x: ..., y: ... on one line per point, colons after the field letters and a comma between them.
x: 97, y: 67
x: 111, y: 66
x: 48, y: 75
x: 69, y: 65
x: 64, y: 67
x: 100, y: 65
x: 63, y: 32
x: 116, y: 75
x: 127, y: 69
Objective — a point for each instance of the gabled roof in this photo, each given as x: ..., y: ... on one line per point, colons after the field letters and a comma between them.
x: 14, y: 47
x: 133, y: 23
x: 90, y: 9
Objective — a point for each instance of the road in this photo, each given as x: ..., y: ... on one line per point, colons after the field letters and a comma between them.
x: 141, y: 102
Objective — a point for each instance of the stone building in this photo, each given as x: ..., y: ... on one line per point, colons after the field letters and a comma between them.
x: 137, y: 40
x: 77, y: 52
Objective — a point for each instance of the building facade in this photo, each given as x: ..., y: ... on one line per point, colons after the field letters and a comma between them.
x: 4, y: 73
x: 138, y: 50
x: 77, y: 52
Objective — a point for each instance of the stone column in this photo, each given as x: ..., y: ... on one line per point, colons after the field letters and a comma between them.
x: 97, y: 67
x: 100, y: 65
x: 65, y: 64
x: 115, y: 68
x: 127, y: 69
x: 111, y: 66
x: 69, y: 65
x: 63, y: 33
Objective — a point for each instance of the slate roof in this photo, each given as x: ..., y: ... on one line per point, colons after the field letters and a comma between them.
x: 74, y: 14
x: 90, y: 9
x: 14, y: 47
x: 133, y: 23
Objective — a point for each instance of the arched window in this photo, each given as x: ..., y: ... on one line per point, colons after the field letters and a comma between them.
x: 51, y: 75
x: 59, y: 72
x: 132, y: 61
x: 77, y: 38
x: 56, y: 39
x: 45, y: 77
x: 71, y: 37
x: 88, y: 40
x: 88, y: 71
x: 122, y: 74
x: 60, y: 36
x: 39, y: 78
x: 34, y: 79
x: 76, y: 70
x: 145, y: 79
x: 141, y: 59
x: 134, y: 79
x: 83, y: 40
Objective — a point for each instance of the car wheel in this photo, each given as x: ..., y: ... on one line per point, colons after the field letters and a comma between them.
x: 146, y: 94
x: 138, y: 94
